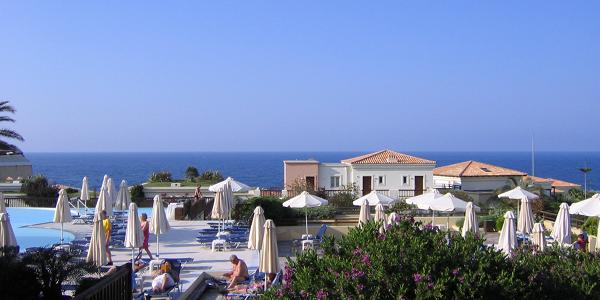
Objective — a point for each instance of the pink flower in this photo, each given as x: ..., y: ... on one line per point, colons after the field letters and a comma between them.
x: 417, y: 277
x: 321, y: 294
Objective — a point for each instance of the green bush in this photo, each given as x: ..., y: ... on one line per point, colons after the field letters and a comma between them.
x: 38, y: 186
x: 191, y: 173
x: 17, y: 280
x: 273, y: 208
x: 591, y: 226
x: 411, y: 261
x: 342, y: 199
x: 499, y: 222
x: 317, y: 213
x: 137, y: 194
x: 162, y: 176
x: 211, y: 175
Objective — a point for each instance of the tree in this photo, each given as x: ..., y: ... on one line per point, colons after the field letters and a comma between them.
x: 585, y: 170
x: 5, y: 107
x: 191, y: 172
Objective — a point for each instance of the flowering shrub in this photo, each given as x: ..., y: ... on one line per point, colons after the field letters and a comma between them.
x: 411, y: 261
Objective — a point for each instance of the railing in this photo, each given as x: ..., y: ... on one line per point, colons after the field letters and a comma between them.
x: 576, y: 221
x: 395, y: 194
x: 116, y: 286
x: 27, y: 201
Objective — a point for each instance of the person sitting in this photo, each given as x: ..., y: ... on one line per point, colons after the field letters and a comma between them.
x: 238, y: 273
x: 581, y: 243
x: 163, y: 279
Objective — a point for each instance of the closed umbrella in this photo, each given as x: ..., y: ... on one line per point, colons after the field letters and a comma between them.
x: 97, y: 249
x: 538, y: 237
x: 525, y: 221
x: 104, y: 181
x: 269, y: 257
x: 257, y: 228
x: 2, y: 204
x: 374, y: 199
x: 228, y: 199
x: 518, y: 193
x: 219, y: 210
x: 364, y: 215
x: 393, y: 218
x: 134, y: 237
x: 84, y: 193
x: 62, y: 213
x: 470, y: 224
x: 159, y: 223
x: 104, y: 202
x: 379, y: 213
x: 236, y: 186
x: 561, y: 232
x: 123, y: 197
x: 508, y: 236
x: 112, y: 192
x: 305, y: 200
x: 7, y: 235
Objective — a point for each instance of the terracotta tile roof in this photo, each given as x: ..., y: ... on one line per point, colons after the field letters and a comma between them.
x: 388, y: 157
x: 560, y: 183
x: 538, y: 179
x: 473, y: 168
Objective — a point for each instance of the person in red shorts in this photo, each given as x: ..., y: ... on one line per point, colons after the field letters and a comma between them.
x: 146, y: 230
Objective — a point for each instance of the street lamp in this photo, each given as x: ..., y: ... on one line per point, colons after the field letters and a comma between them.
x: 585, y: 170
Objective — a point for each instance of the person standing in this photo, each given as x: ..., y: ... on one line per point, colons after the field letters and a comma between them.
x: 146, y: 231
x: 107, y: 229
x: 198, y: 205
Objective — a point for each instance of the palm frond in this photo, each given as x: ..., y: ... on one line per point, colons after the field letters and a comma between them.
x: 5, y: 107
x: 6, y: 119
x: 8, y: 147
x: 7, y: 133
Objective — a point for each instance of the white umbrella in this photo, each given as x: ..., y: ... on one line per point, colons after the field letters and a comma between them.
x: 112, y: 192
x: 561, y: 232
x: 2, y: 205
x: 365, y: 215
x: 589, y: 207
x: 257, y: 228
x: 424, y: 200
x: 305, y: 200
x: 62, y: 212
x: 219, y: 210
x: 236, y: 186
x: 7, y: 235
x: 97, y: 250
x: 450, y: 203
x: 508, y: 236
x: 104, y: 181
x: 538, y: 236
x: 269, y: 258
x: 84, y: 193
x: 159, y: 223
x: 134, y: 237
x: 525, y: 221
x: 379, y: 213
x: 392, y: 218
x: 470, y: 224
x: 374, y: 199
x: 518, y: 193
x: 104, y: 202
x: 123, y: 197
x: 228, y: 199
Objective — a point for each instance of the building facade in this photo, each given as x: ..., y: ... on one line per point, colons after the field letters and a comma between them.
x: 14, y: 166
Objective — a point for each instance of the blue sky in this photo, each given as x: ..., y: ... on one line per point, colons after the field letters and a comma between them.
x: 300, y: 75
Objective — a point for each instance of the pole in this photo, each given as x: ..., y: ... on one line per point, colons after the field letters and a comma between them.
x: 61, y: 233
x: 266, y: 281
x: 584, y: 185
x: 157, y: 246
x: 132, y: 262
x: 432, y: 218
x: 306, y: 215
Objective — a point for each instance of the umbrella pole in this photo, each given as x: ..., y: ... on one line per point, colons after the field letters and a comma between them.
x: 62, y: 233
x: 157, y: 246
x: 306, y: 216
x: 448, y: 223
x: 433, y: 218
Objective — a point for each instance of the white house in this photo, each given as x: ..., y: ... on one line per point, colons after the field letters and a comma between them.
x: 387, y: 171
x: 474, y: 176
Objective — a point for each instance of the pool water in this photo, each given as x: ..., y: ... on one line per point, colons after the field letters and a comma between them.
x: 34, y: 237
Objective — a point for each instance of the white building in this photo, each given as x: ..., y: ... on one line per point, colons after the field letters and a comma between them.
x: 474, y: 176
x: 390, y: 172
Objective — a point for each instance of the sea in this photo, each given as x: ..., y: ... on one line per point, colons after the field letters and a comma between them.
x: 265, y: 169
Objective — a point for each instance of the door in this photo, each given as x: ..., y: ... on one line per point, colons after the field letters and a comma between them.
x: 418, y: 185
x: 310, y: 183
x: 366, y: 184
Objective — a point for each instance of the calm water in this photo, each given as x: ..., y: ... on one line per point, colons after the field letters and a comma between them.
x: 34, y: 237
x: 265, y: 169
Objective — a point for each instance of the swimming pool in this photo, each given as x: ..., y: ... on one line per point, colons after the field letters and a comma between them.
x: 34, y: 237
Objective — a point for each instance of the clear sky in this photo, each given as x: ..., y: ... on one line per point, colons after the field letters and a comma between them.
x: 302, y: 75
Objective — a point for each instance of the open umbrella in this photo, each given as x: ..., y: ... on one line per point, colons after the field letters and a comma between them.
x: 519, y: 193
x: 134, y: 237
x: 269, y: 256
x: 525, y: 221
x: 255, y: 238
x: 364, y: 215
x: 236, y: 186
x: 508, y: 236
x: 62, y: 213
x: 450, y: 203
x: 97, y: 249
x: 7, y: 235
x: 374, y: 199
x: 159, y: 224
x: 84, y: 193
x: 104, y: 202
x: 470, y: 224
x: 561, y: 232
x: 589, y: 207
x: 2, y: 204
x: 424, y: 201
x: 538, y: 236
x: 305, y: 200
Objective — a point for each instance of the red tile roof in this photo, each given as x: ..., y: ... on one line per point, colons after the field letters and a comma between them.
x: 538, y: 179
x: 560, y: 183
x: 388, y: 157
x: 473, y: 168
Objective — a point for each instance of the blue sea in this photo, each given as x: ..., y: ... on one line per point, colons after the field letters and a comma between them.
x: 265, y: 169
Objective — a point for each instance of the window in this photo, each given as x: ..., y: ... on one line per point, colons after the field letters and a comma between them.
x: 334, y: 181
x: 404, y: 179
x: 381, y: 180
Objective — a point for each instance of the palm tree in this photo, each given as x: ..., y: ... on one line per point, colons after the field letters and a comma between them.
x: 585, y: 170
x: 5, y: 107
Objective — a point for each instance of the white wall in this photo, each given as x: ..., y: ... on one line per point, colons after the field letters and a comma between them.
x: 445, y: 181
x: 393, y: 176
x: 485, y: 183
x: 327, y: 170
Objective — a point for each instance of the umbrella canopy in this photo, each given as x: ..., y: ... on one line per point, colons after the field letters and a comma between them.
x: 97, y: 250
x: 424, y: 200
x: 374, y: 199
x: 7, y: 235
x: 104, y: 181
x: 508, y: 236
x: 85, y: 190
x: 518, y: 193
x: 393, y: 218
x: 379, y: 213
x: 589, y: 207
x: 525, y: 221
x: 236, y: 186
x: 2, y: 205
x: 159, y: 223
x: 104, y: 202
x: 219, y: 210
x: 134, y: 237
x: 269, y: 254
x: 123, y: 197
x: 228, y: 199
x: 257, y: 229
x: 305, y: 200
x: 449, y: 202
x: 470, y: 224
x: 62, y: 212
x: 561, y: 232
x: 364, y: 216
x: 112, y: 192
x: 538, y: 236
